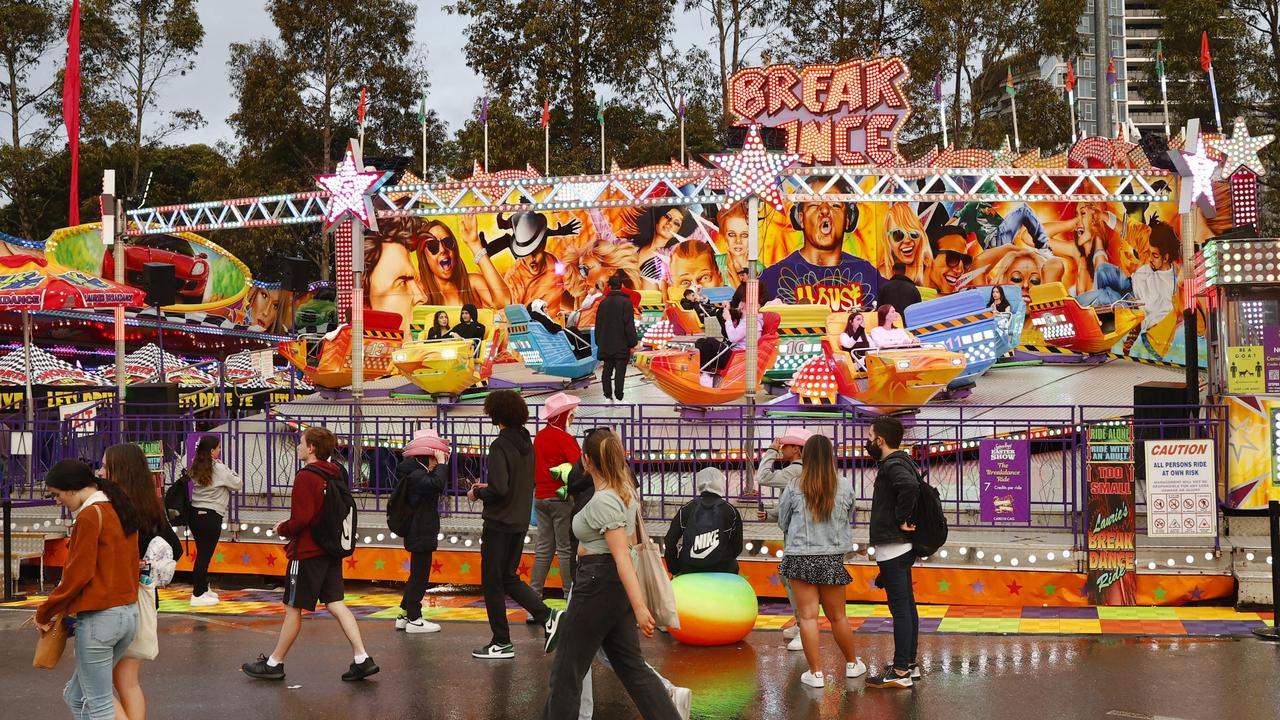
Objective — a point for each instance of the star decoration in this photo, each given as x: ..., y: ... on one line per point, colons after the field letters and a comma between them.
x: 523, y: 569
x: 351, y: 563
x: 1050, y: 590
x: 245, y: 559
x: 465, y: 568
x: 1014, y: 588
x: 1004, y: 156
x: 379, y: 564
x: 754, y: 171
x: 1159, y: 593
x: 405, y: 566
x: 978, y: 587
x: 351, y: 191
x: 774, y: 580
x: 1241, y: 150
x: 436, y: 566
x: 944, y: 586
x: 271, y: 561
x: 1198, y: 168
x: 219, y: 557
x: 1196, y: 593
x: 553, y: 572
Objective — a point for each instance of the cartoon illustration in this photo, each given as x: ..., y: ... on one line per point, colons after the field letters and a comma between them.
x: 905, y: 241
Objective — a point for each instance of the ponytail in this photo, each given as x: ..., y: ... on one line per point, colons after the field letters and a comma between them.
x: 124, y: 507
x: 202, y: 465
x: 75, y: 475
x: 604, y: 448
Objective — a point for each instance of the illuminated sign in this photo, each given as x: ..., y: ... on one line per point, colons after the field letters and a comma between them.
x: 848, y: 114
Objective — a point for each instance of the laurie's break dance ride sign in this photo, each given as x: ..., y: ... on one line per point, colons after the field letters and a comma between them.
x: 1111, y: 529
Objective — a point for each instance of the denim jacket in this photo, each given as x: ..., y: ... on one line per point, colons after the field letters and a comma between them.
x: 807, y: 536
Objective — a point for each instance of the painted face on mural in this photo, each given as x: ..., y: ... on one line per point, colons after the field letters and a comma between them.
x: 734, y: 230
x: 441, y: 252
x: 264, y: 308
x: 394, y: 285
x: 1024, y: 272
x: 823, y: 224
x: 699, y: 270
x: 667, y: 226
x: 951, y: 260
x: 905, y: 234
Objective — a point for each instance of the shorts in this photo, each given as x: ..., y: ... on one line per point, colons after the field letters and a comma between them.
x: 815, y: 569
x: 314, y: 579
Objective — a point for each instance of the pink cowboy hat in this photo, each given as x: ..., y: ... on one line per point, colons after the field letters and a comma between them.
x: 426, y: 442
x: 557, y: 404
x: 795, y: 436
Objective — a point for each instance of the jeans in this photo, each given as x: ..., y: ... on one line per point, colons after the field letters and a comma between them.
x: 416, y: 587
x: 615, y: 369
x: 101, y: 639
x: 499, y: 559
x: 1020, y: 217
x: 1110, y: 286
x: 600, y: 617
x: 895, y: 578
x: 206, y: 526
x: 555, y: 519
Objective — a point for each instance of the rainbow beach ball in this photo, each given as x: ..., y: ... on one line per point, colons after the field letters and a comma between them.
x: 714, y: 608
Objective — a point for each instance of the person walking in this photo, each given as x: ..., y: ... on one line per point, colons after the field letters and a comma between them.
x: 893, y: 504
x: 607, y: 605
x: 424, y: 471
x: 99, y: 584
x: 507, y: 494
x: 212, y: 485
x: 126, y: 466
x: 706, y: 534
x: 899, y: 291
x: 314, y: 575
x: 779, y: 469
x: 554, y: 449
x: 615, y: 337
x: 815, y: 517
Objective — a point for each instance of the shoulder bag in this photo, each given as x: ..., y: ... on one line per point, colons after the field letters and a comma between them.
x: 654, y: 581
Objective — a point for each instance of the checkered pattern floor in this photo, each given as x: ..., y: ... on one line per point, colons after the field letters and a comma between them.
x: 1030, y: 620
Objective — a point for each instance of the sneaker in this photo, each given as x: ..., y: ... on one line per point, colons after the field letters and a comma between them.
x: 553, y: 630
x: 706, y: 380
x: 915, y: 671
x: 402, y: 620
x: 889, y: 679
x: 421, y: 627
x: 682, y: 698
x: 204, y: 600
x: 795, y: 644
x: 361, y: 670
x: 261, y: 670
x: 791, y: 633
x: 813, y: 679
x: 855, y: 669
x: 212, y: 594
x: 494, y: 651
x: 531, y: 620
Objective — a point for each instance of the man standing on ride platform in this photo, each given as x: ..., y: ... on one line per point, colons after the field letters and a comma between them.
x: 615, y: 337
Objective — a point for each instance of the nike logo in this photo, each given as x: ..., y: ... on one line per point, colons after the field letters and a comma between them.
x: 704, y: 544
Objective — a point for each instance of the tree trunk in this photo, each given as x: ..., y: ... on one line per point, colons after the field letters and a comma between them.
x: 326, y: 109
x: 963, y: 49
x: 20, y: 164
x: 139, y: 101
x: 722, y: 37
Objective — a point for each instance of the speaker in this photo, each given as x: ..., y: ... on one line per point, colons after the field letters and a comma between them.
x: 160, y: 280
x: 159, y: 398
x: 773, y: 138
x: 1160, y: 412
x: 298, y: 274
x: 1156, y: 147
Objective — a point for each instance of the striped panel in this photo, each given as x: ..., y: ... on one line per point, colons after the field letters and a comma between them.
x: 1049, y: 350
x: 802, y: 331
x: 383, y: 335
x: 954, y: 323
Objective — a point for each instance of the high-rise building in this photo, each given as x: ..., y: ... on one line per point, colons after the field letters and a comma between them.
x: 1142, y: 20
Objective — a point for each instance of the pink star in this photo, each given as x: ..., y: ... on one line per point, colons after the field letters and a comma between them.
x: 351, y: 191
x: 754, y: 170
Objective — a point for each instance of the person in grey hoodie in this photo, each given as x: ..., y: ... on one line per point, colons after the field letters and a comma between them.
x: 507, y: 494
x: 211, y: 491
x: 779, y: 469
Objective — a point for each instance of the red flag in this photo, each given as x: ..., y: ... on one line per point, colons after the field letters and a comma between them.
x: 1071, y: 77
x: 360, y: 110
x: 1206, y: 60
x: 546, y: 113
x: 71, y: 107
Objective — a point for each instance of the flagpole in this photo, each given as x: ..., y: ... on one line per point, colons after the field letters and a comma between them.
x: 1164, y: 100
x: 1013, y: 104
x: 486, y: 146
x: 942, y: 114
x: 424, y: 151
x: 1071, y: 103
x: 1115, y: 112
x: 602, y: 170
x: 682, y: 162
x: 546, y: 149
x: 1217, y: 114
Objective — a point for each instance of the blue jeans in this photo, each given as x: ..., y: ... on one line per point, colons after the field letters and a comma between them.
x: 895, y: 578
x: 1110, y: 286
x: 101, y: 639
x: 1020, y: 217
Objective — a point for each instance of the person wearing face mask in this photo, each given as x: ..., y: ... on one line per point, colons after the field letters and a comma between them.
x: 893, y: 505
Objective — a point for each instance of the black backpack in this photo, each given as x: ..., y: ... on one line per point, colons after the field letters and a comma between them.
x: 177, y: 501
x: 399, y: 511
x: 930, y: 520
x: 704, y: 543
x: 334, y: 528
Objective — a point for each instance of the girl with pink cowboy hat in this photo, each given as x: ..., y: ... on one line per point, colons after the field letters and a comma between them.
x: 423, y: 474
x: 553, y: 448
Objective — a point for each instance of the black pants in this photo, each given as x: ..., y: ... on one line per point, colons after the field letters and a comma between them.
x: 206, y: 526
x: 600, y: 615
x: 895, y: 578
x: 499, y: 559
x: 419, y: 579
x: 615, y: 369
x: 713, y: 355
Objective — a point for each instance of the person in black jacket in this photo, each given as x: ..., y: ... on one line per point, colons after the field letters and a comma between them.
x: 615, y: 337
x: 893, y: 505
x: 711, y: 550
x: 898, y: 290
x: 469, y: 326
x: 425, y: 468
x: 507, y: 494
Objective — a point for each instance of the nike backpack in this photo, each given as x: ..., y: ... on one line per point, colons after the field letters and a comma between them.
x: 702, y: 547
x: 334, y: 529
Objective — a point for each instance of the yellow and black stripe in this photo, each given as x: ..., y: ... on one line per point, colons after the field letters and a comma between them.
x: 802, y: 331
x: 513, y: 329
x: 1147, y: 361
x: 1050, y: 350
x: 383, y: 335
x: 953, y: 323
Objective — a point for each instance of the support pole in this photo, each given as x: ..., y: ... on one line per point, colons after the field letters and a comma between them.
x: 752, y: 311
x: 1017, y: 140
x: 28, y: 400
x: 1071, y: 103
x: 1190, y: 340
x: 10, y: 582
x: 357, y: 348
x: 115, y: 245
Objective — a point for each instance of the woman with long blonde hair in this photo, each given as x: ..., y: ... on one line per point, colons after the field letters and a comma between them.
x: 815, y: 514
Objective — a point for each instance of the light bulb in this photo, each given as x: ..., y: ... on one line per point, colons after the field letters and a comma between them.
x: 980, y: 554
x: 1249, y: 556
x: 1151, y: 565
x: 453, y: 539
x: 750, y: 546
x: 1050, y: 556
x: 467, y: 543
x: 996, y: 558
x: 1013, y: 562
x: 1031, y: 559
x: 942, y: 553
x: 1169, y: 562
x: 964, y: 551
x: 381, y: 537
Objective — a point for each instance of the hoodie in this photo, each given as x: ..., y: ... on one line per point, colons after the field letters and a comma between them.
x: 308, y: 498
x: 508, y: 496
x: 472, y: 330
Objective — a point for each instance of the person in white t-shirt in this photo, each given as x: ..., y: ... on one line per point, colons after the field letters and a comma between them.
x: 885, y: 335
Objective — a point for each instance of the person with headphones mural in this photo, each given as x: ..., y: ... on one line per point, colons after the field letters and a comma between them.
x: 821, y: 272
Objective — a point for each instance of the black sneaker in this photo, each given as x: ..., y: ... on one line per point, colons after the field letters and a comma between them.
x: 889, y: 679
x: 261, y: 670
x: 361, y: 670
x: 553, y: 630
x: 495, y: 651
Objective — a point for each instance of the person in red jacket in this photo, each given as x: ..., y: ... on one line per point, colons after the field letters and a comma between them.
x: 554, y: 447
x: 314, y: 575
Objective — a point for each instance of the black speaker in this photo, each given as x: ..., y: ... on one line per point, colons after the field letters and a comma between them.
x: 160, y: 280
x: 773, y: 138
x: 298, y: 274
x: 1160, y: 412
x: 1156, y: 147
x: 159, y: 398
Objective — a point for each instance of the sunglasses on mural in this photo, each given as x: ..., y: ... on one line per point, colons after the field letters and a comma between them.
x: 432, y: 244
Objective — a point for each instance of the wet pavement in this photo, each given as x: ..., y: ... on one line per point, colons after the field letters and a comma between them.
x: 433, y: 676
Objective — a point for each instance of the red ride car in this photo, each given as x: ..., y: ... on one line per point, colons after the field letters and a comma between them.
x: 190, y: 268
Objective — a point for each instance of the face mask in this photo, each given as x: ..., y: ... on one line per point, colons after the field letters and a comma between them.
x: 875, y: 451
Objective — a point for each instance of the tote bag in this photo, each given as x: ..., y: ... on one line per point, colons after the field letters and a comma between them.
x: 50, y: 646
x: 654, y: 581
x: 146, y: 644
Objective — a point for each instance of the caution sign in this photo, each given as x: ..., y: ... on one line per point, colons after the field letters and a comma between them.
x: 1246, y: 372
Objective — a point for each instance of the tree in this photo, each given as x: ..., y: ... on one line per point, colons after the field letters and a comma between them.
x: 842, y: 30
x: 739, y: 25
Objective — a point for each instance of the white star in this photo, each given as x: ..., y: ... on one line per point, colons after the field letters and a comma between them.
x: 1241, y: 150
x: 754, y: 170
x: 1201, y: 168
x: 351, y: 191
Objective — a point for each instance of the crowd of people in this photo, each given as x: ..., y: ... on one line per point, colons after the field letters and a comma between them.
x: 587, y: 505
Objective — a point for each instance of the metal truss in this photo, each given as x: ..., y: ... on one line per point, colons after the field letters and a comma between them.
x: 695, y: 186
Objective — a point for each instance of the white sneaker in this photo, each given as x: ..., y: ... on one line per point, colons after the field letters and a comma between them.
x: 855, y: 669
x: 791, y: 633
x: 813, y: 679
x: 402, y: 621
x: 421, y: 627
x: 203, y: 600
x: 683, y: 700
x: 795, y: 644
x: 706, y: 380
x: 211, y: 593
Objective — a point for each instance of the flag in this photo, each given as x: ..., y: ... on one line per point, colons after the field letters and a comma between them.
x: 1071, y: 77
x: 600, y: 111
x: 680, y: 110
x: 484, y: 111
x: 546, y: 113
x: 360, y: 110
x: 1206, y: 60
x: 1111, y: 71
x: 422, y: 110
x: 937, y: 87
x: 1159, y: 59
x: 71, y: 107
x: 1008, y: 82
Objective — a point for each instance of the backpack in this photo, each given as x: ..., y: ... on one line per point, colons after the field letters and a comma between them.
x: 703, y: 544
x: 334, y: 528
x: 930, y: 520
x: 399, y: 511
x: 177, y: 501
